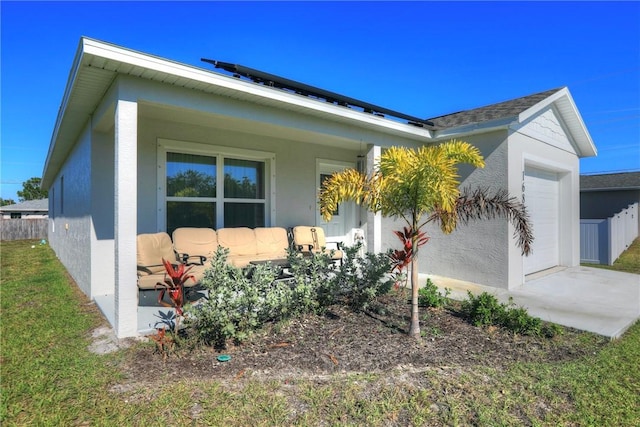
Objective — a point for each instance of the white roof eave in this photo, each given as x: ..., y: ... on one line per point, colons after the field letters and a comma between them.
x: 164, y: 70
x: 475, y: 128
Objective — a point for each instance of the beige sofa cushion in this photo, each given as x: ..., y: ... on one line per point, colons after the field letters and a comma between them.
x: 242, y: 261
x: 150, y: 250
x: 271, y: 241
x: 239, y: 240
x: 195, y: 242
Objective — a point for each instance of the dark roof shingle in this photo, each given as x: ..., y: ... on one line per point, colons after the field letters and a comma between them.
x: 488, y: 113
x: 41, y: 205
x: 610, y: 181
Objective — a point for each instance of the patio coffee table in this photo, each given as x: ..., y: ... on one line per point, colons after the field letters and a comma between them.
x: 283, y: 263
x: 280, y: 262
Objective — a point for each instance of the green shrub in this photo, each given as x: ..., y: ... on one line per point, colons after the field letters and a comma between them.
x: 430, y: 295
x: 314, y: 288
x: 359, y: 281
x: 239, y: 303
x: 519, y: 321
x: 484, y: 309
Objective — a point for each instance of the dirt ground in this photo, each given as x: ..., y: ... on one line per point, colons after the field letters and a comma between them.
x: 343, y: 341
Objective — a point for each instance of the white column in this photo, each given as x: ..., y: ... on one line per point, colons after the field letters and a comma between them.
x: 374, y: 221
x: 126, y: 217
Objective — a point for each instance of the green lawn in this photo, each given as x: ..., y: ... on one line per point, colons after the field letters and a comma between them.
x: 628, y: 261
x: 50, y: 378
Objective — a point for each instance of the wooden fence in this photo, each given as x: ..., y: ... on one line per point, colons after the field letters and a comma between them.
x: 24, y: 229
x: 603, y: 240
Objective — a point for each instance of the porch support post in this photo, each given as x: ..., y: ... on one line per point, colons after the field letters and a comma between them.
x: 126, y: 217
x: 374, y: 221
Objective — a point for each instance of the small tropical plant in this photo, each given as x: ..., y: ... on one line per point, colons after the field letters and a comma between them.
x: 420, y: 186
x: 401, y: 258
x: 173, y: 286
x: 164, y: 342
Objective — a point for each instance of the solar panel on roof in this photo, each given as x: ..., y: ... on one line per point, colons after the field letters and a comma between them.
x: 272, y: 80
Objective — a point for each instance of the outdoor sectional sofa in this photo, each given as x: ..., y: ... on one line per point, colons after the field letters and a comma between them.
x: 196, y: 246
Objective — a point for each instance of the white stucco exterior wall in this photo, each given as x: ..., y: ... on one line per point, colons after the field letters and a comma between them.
x: 477, y: 252
x: 69, y: 226
x: 102, y: 214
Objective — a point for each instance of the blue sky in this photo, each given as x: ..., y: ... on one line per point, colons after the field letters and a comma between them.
x: 420, y: 58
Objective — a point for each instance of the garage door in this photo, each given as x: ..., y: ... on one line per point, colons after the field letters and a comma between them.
x: 542, y: 195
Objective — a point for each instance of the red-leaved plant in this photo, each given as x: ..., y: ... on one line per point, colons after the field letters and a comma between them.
x: 173, y: 285
x: 164, y: 342
x: 401, y: 258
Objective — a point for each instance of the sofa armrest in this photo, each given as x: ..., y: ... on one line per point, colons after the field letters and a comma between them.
x: 185, y: 258
x: 146, y: 270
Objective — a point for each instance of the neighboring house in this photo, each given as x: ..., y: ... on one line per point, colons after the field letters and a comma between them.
x: 29, y: 209
x: 133, y: 129
x: 609, y: 220
x: 604, y: 195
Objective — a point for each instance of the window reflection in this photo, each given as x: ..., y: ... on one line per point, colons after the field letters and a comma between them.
x: 244, y: 215
x: 190, y: 175
x: 243, y: 179
x: 190, y: 214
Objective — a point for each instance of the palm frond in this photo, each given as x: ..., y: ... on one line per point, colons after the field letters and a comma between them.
x: 478, y: 204
x: 341, y: 186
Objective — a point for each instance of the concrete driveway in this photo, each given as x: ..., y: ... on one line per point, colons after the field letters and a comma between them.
x: 591, y: 299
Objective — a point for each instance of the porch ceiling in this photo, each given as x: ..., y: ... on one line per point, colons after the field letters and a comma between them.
x: 166, y: 113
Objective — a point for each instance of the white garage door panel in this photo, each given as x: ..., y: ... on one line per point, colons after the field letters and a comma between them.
x: 542, y: 200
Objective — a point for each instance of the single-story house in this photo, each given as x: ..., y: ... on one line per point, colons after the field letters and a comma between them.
x: 28, y: 209
x: 133, y: 126
x: 606, y: 194
x: 609, y: 220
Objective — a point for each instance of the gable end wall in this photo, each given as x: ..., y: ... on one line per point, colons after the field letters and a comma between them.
x: 547, y: 128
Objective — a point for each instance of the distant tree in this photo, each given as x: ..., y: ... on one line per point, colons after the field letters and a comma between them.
x: 191, y: 183
x: 31, y: 190
x: 5, y: 202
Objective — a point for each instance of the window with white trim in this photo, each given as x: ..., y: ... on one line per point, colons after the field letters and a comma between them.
x: 193, y: 198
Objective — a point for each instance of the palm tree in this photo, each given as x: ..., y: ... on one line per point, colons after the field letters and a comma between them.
x: 421, y: 186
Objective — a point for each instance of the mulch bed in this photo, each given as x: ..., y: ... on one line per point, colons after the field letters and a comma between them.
x: 344, y: 341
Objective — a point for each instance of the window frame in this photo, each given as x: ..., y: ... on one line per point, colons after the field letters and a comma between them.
x: 165, y: 146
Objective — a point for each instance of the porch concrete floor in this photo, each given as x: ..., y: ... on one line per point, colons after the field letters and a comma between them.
x: 591, y: 299
x: 148, y: 317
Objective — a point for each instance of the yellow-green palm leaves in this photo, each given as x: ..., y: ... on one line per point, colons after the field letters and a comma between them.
x: 424, y: 182
x: 406, y: 183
